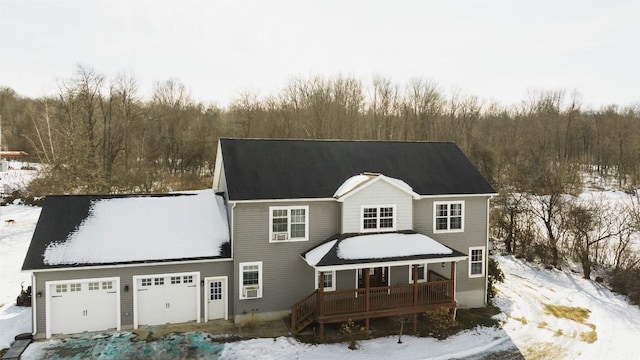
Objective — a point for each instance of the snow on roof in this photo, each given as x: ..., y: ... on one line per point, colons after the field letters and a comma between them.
x: 145, y: 228
x: 380, y: 246
x: 314, y: 256
x: 357, y: 180
x: 376, y: 246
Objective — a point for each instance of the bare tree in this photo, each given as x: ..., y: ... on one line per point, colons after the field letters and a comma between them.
x: 590, y: 223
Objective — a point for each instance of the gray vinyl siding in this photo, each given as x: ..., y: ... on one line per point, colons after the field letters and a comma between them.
x: 286, y: 277
x: 398, y: 275
x: 475, y: 234
x: 345, y: 279
x: 206, y: 269
x: 378, y: 193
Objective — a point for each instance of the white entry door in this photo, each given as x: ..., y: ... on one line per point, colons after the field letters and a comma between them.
x: 216, y: 295
x: 75, y: 306
x: 167, y: 298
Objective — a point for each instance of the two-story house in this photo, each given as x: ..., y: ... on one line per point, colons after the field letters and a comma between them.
x: 321, y: 230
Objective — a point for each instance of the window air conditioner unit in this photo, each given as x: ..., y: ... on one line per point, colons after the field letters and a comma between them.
x: 280, y: 236
x: 250, y: 292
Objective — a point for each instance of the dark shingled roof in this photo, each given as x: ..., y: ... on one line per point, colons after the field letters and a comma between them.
x: 287, y: 169
x: 332, y: 258
x: 61, y: 215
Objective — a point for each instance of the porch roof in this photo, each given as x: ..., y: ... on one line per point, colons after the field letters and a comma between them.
x: 398, y: 248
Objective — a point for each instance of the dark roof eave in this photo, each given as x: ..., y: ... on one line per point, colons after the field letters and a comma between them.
x: 120, y: 263
x: 417, y: 258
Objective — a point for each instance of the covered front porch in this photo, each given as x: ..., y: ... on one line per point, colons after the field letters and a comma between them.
x: 418, y: 283
x: 370, y: 302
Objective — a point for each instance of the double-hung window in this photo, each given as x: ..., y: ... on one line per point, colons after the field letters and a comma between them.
x: 251, y: 279
x: 476, y: 261
x: 288, y: 223
x: 422, y: 273
x: 448, y: 216
x: 329, y: 280
x: 378, y: 218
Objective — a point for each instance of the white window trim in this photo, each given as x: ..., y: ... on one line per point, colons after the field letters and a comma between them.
x: 241, y: 287
x: 378, y: 207
x: 448, y: 203
x: 484, y: 257
x: 424, y: 273
x: 333, y: 276
x: 289, y: 208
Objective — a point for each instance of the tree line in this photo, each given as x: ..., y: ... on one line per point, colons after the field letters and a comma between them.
x: 96, y: 134
x: 99, y: 135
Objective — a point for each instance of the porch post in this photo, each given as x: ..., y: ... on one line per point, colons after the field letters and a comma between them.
x: 415, y: 299
x: 453, y: 281
x: 321, y: 295
x: 367, y: 304
x: 320, y: 304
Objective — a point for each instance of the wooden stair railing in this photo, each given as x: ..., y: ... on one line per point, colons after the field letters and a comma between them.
x: 303, y: 312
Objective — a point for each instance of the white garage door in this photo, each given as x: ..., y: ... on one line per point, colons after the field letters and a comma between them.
x: 167, y: 298
x: 75, y: 306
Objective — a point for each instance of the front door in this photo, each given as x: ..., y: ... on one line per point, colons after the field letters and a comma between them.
x: 377, y: 277
x: 216, y: 298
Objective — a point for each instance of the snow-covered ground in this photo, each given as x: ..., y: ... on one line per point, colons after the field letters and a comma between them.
x: 14, y: 241
x: 538, y: 334
x: 18, y: 175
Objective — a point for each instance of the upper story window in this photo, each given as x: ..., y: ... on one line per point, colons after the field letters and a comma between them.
x: 448, y: 216
x: 378, y: 218
x: 288, y: 223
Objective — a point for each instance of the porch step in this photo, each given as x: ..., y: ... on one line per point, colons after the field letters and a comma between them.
x: 303, y: 323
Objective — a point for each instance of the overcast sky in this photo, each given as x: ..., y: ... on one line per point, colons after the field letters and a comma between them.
x: 497, y: 50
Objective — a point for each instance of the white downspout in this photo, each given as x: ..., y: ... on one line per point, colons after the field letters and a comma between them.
x: 34, y: 300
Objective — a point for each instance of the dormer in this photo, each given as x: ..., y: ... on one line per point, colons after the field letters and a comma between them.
x: 373, y: 202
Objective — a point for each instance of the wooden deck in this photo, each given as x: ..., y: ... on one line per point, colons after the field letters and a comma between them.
x: 357, y: 304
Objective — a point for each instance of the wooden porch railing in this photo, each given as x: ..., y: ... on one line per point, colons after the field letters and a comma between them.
x: 337, y: 306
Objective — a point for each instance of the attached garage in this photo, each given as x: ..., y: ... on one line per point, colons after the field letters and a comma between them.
x: 166, y: 298
x: 82, y: 305
x: 113, y: 262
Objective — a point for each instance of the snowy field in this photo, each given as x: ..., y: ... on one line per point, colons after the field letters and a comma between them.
x: 17, y: 176
x: 14, y: 241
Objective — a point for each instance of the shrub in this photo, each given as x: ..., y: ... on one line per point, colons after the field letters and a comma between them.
x: 495, y: 274
x: 353, y: 332
x: 627, y: 282
x: 439, y: 324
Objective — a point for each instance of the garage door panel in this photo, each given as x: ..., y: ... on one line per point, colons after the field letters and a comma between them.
x: 83, y: 305
x: 168, y: 298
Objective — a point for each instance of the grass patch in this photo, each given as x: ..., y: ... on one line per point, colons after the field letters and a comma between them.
x: 470, y: 318
x: 542, y: 324
x: 576, y: 314
x: 589, y: 337
x: 523, y: 319
x: 543, y: 351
